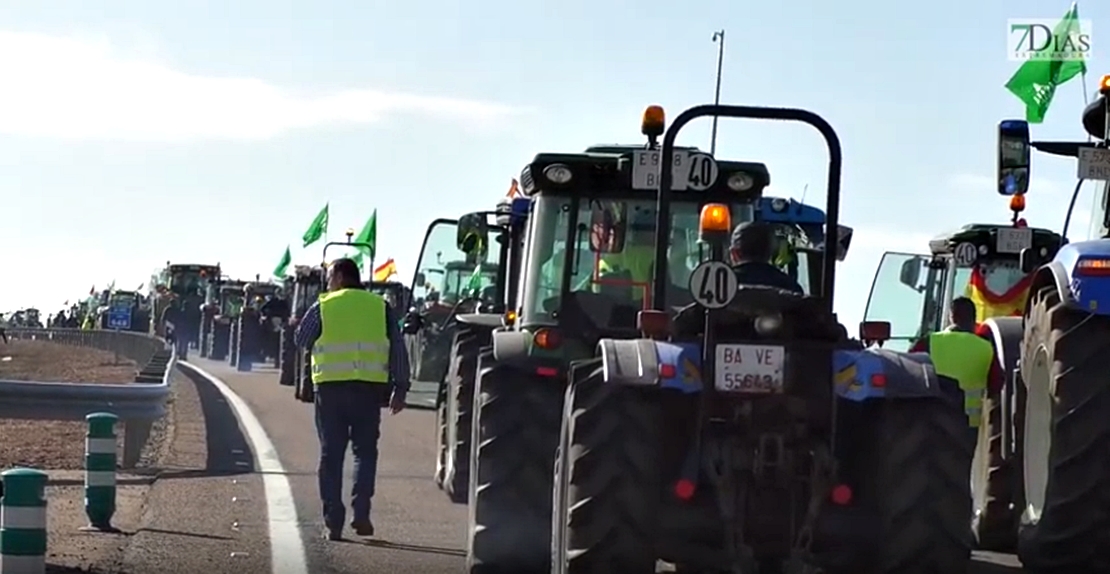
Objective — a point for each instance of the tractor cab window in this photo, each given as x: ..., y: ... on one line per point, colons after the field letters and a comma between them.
x: 999, y: 287
x: 904, y: 288
x: 446, y: 275
x: 612, y: 254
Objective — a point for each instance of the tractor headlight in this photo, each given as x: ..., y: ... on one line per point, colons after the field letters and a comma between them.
x: 768, y: 325
x: 558, y: 173
x: 778, y: 205
x: 740, y: 181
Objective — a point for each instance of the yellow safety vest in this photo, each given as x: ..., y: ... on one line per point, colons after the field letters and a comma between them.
x: 635, y: 259
x: 967, y: 358
x: 353, y: 343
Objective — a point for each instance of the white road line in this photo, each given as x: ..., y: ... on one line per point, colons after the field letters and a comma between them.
x: 287, y: 555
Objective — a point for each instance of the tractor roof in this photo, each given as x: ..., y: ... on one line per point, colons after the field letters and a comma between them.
x: 986, y: 235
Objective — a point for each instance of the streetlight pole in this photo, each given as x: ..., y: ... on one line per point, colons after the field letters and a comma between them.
x: 719, y: 39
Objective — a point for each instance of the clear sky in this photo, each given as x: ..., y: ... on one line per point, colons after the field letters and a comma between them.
x: 135, y: 132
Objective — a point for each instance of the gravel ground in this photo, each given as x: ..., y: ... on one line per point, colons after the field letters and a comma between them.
x: 53, y: 444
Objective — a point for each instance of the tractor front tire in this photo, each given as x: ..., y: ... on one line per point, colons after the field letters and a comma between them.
x: 1066, y: 438
x: 515, y: 432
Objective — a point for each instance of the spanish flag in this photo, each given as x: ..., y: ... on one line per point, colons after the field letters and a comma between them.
x: 989, y: 305
x: 386, y: 270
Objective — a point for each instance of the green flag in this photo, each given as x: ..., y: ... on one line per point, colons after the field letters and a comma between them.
x: 357, y: 258
x: 318, y: 228
x: 369, y: 235
x: 1036, y: 80
x: 283, y: 265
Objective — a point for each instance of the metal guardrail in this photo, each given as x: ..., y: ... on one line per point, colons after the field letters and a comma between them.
x: 137, y: 404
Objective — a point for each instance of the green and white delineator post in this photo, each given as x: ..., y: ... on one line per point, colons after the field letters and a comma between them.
x: 100, y: 470
x: 23, y: 522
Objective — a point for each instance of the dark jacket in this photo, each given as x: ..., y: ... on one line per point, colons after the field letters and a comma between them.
x: 758, y: 273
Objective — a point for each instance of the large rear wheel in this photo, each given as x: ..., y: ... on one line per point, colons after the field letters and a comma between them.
x: 515, y: 433
x: 461, y: 375
x: 607, y: 477
x: 1066, y: 459
x: 920, y: 461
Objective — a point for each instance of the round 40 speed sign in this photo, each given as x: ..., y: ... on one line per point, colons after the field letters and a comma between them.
x: 714, y: 284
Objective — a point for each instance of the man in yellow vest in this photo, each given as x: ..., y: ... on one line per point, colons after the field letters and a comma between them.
x: 359, y: 366
x: 964, y: 356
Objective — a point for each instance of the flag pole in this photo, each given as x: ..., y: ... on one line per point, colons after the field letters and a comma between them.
x: 719, y: 39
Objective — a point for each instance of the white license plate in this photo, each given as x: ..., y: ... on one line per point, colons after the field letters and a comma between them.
x: 750, y: 368
x: 1014, y: 239
x: 1094, y: 164
x: 645, y: 170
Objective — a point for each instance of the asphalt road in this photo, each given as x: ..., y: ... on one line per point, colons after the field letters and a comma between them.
x: 418, y: 530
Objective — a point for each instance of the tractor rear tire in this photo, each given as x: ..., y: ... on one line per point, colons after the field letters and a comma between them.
x: 920, y: 462
x: 287, y: 357
x: 1066, y: 457
x: 460, y: 381
x: 607, y: 476
x: 441, y: 443
x: 515, y: 433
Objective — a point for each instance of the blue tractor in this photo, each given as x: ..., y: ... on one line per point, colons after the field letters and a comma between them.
x: 746, y: 431
x: 1057, y: 400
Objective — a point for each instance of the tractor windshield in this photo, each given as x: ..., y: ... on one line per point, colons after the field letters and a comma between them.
x: 998, y: 288
x: 468, y: 280
x: 622, y: 274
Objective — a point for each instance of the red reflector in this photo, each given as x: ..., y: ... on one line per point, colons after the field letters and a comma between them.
x: 841, y: 494
x: 547, y: 371
x: 684, y: 489
x: 667, y: 371
x: 878, y: 380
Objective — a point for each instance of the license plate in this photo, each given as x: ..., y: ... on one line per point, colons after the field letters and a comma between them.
x: 1014, y: 239
x: 645, y: 170
x: 1094, y: 164
x: 750, y: 368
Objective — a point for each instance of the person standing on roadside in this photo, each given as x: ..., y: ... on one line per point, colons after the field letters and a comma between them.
x: 359, y: 366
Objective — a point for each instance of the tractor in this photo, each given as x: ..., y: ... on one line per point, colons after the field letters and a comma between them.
x: 228, y: 301
x: 1053, y: 411
x: 914, y: 292
x: 745, y: 431
x: 260, y: 340
x: 308, y: 284
x: 587, y: 265
x: 185, y: 285
x: 448, y: 333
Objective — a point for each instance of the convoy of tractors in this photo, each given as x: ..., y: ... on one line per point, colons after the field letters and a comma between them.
x: 610, y: 397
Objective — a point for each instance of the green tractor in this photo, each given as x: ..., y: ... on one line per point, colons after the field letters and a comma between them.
x: 586, y: 270
x: 185, y: 285
x: 307, y: 285
x: 447, y: 328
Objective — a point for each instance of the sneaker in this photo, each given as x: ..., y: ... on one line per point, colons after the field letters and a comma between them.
x: 363, y: 527
x: 333, y: 534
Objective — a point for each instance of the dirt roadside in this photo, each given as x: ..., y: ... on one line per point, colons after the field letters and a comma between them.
x: 53, y: 445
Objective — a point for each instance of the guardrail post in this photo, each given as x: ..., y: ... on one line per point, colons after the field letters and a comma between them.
x: 100, y: 470
x: 23, y: 522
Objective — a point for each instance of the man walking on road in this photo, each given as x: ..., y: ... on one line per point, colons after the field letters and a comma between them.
x: 359, y: 367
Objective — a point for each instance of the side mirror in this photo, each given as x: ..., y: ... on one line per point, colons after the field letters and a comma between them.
x: 472, y: 236
x: 910, y: 275
x: 419, y: 280
x: 411, y: 324
x: 1013, y: 157
x: 843, y: 242
x: 608, y: 224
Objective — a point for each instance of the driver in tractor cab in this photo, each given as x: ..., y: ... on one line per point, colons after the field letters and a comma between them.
x: 636, y: 259
x: 753, y: 246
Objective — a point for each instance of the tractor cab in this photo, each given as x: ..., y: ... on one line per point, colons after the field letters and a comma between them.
x: 308, y: 284
x: 800, y: 239
x: 257, y: 293
x: 914, y: 291
x: 395, y: 293
x: 232, y: 299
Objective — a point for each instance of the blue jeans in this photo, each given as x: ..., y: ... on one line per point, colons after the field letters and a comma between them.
x: 348, y: 412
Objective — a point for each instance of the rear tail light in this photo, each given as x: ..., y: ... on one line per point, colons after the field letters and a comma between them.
x: 547, y: 339
x: 1093, y: 268
x: 684, y: 489
x: 874, y: 331
x: 841, y: 495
